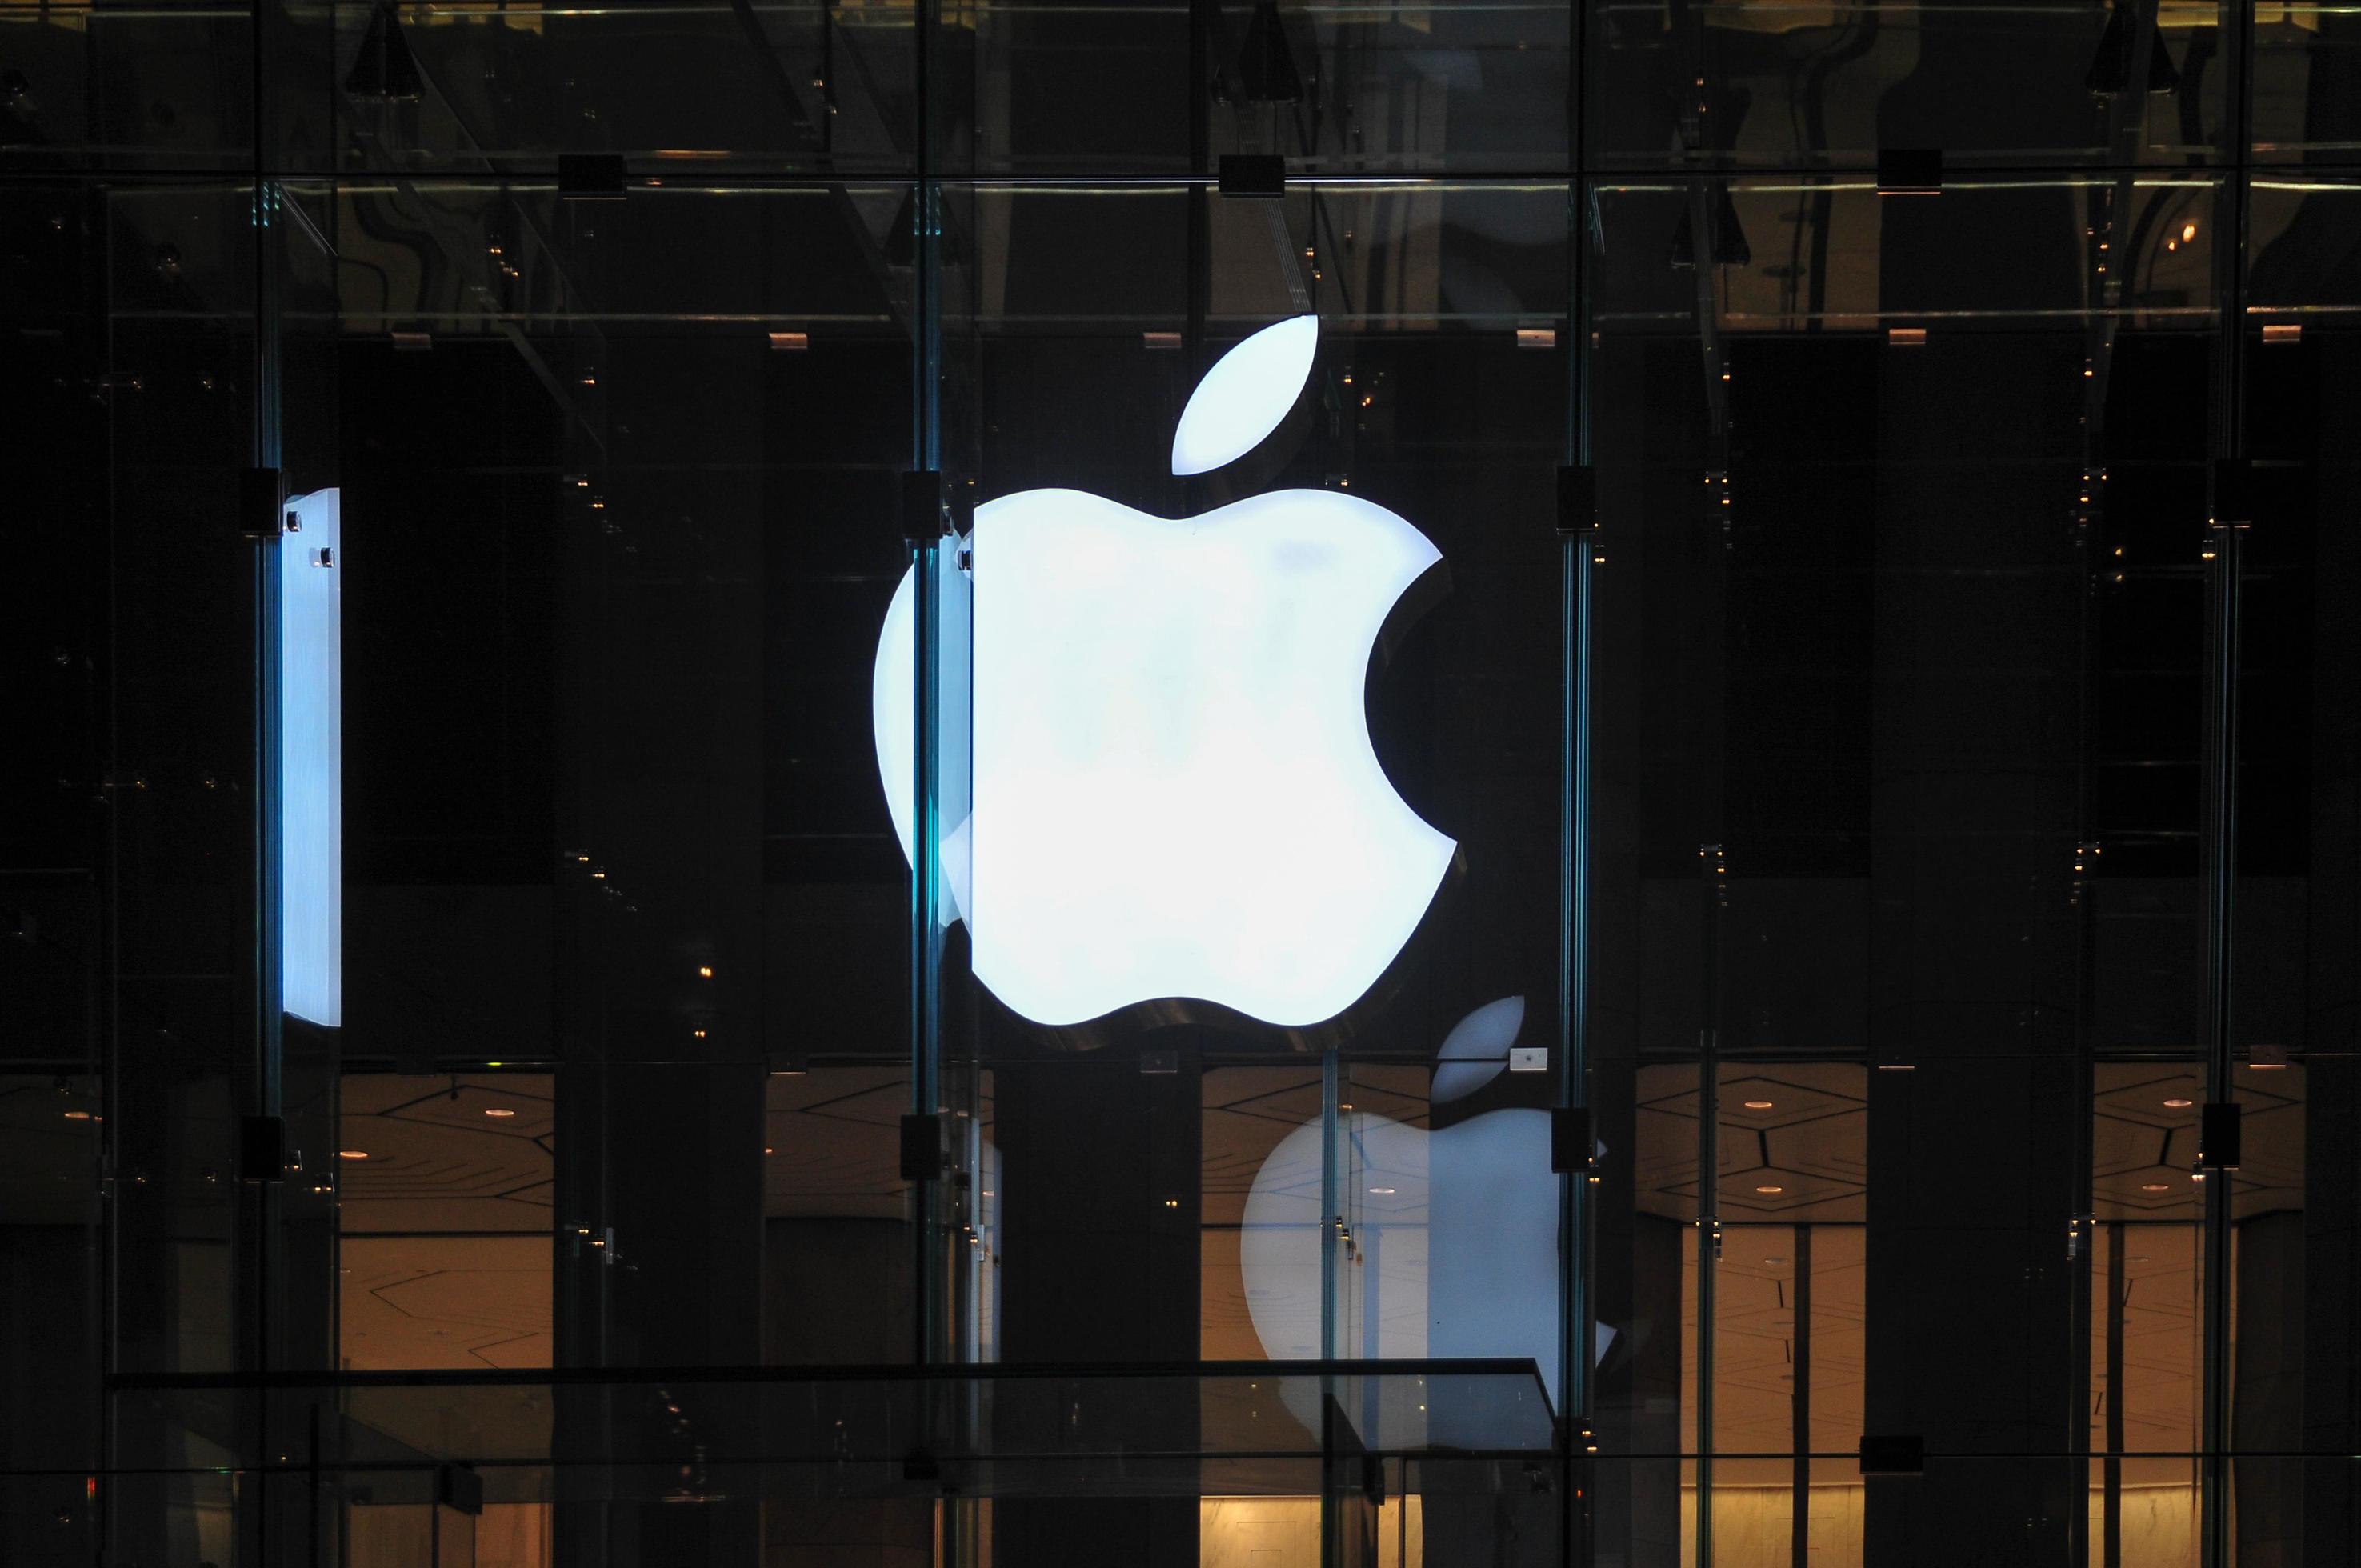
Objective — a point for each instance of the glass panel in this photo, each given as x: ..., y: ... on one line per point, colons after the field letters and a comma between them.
x: 167, y: 87
x: 1762, y: 83
x: 444, y: 1253
x: 2295, y: 1194
x: 1261, y: 1216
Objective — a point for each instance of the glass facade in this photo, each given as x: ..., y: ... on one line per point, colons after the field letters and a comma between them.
x: 657, y: 916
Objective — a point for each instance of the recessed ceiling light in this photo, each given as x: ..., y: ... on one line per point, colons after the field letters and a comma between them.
x: 1383, y: 1192
x: 500, y: 1111
x: 1758, y: 1105
x: 2154, y: 1187
x: 1770, y: 1189
x: 768, y: 1149
x: 352, y: 1154
x: 2179, y: 1104
x: 77, y: 1115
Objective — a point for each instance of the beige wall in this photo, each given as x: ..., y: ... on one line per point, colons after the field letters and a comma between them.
x: 1284, y: 1532
x: 1751, y: 1526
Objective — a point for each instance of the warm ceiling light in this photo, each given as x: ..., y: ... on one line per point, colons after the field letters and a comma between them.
x: 2179, y: 1104
x: 77, y: 1115
x: 2267, y: 1065
x: 2154, y: 1187
x: 704, y: 971
x: 1767, y: 1189
x: 352, y: 1154
x: 1758, y: 1105
x: 500, y: 1111
x: 768, y: 1149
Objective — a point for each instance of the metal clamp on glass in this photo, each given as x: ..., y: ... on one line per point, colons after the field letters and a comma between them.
x: 2220, y: 1137
x: 1572, y: 1148
x: 263, y: 503
x: 923, y: 1157
x: 1893, y: 1454
x: 922, y: 507
x: 1262, y: 174
x: 1577, y: 508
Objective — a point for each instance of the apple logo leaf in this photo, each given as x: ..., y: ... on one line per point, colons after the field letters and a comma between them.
x: 1245, y: 396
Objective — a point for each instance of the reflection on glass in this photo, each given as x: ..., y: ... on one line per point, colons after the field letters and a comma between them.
x: 445, y: 1235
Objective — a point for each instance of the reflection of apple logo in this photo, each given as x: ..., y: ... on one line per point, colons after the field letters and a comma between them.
x: 1172, y: 788
x: 1455, y: 1232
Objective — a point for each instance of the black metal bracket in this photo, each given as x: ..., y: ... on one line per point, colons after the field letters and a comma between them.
x: 590, y: 176
x: 1253, y: 174
x: 262, y: 1149
x: 1901, y: 1454
x: 922, y: 1147
x: 459, y: 1488
x: 1577, y: 499
x: 1572, y: 1146
x: 922, y: 507
x: 2220, y: 1137
x: 263, y: 503
x: 1909, y: 172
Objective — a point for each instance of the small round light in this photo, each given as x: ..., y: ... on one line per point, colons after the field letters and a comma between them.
x: 2179, y: 1104
x: 500, y: 1111
x: 1758, y: 1105
x: 768, y: 1149
x: 352, y: 1154
x: 1770, y: 1189
x: 705, y: 972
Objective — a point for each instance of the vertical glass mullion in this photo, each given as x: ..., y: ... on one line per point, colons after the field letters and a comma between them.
x: 2225, y: 517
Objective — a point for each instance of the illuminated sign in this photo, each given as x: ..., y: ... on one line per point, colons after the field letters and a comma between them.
x: 1173, y: 790
x: 312, y: 760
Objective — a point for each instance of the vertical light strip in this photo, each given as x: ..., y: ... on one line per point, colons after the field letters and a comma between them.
x: 312, y: 760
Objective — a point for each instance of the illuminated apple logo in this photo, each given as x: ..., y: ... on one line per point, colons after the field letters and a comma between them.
x: 1172, y: 792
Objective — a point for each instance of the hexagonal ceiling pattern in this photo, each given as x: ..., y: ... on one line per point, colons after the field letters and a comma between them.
x: 1792, y: 1143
